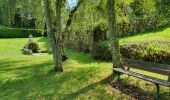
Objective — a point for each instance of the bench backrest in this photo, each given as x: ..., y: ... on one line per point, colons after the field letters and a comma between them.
x: 162, y: 69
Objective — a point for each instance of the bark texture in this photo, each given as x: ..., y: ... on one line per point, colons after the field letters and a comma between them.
x: 113, y: 34
x: 59, y: 41
x: 54, y: 32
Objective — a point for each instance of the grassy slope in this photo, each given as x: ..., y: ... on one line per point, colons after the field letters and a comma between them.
x: 30, y: 77
x: 162, y: 35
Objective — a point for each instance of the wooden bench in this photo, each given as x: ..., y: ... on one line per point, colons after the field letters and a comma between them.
x: 161, y: 69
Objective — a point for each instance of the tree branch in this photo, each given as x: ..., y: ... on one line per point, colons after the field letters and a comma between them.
x: 71, y: 14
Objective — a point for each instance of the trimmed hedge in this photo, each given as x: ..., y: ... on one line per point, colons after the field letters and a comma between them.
x: 153, y: 51
x: 150, y: 51
x: 18, y: 33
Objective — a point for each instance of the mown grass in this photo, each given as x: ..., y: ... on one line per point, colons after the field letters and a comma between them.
x: 162, y: 34
x: 157, y: 37
x: 31, y: 77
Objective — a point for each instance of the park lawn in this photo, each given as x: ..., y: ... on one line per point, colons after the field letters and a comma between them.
x: 162, y: 34
x: 160, y: 38
x: 31, y: 77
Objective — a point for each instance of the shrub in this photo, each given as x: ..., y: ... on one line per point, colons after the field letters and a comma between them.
x: 18, y: 33
x: 102, y: 51
x: 34, y: 47
x: 147, y: 51
x: 151, y: 51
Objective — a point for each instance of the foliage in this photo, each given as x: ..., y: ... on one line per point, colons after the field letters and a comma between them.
x: 93, y: 12
x: 103, y: 51
x: 30, y: 77
x: 149, y: 52
x: 153, y: 47
x: 18, y: 33
x: 132, y: 17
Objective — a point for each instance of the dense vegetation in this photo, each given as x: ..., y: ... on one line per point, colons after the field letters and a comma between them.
x: 148, y: 46
x: 18, y: 33
x: 133, y: 17
x: 153, y: 46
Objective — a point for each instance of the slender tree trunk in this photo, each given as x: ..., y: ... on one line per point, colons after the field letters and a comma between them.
x: 52, y: 36
x: 113, y: 34
x: 59, y: 41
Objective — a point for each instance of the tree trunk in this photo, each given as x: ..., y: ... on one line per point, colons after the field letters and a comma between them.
x: 60, y: 46
x: 51, y: 33
x: 113, y: 34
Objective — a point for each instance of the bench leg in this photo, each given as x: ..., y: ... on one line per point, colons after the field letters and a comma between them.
x: 117, y: 74
x: 158, y: 90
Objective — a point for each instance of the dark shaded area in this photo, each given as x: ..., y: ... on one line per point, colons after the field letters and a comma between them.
x: 89, y: 87
x: 165, y: 96
x: 98, y: 52
x: 132, y: 90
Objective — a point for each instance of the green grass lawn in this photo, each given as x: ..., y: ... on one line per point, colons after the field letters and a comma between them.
x: 31, y: 77
x: 159, y: 37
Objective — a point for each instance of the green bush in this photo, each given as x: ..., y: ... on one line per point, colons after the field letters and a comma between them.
x: 147, y: 51
x: 102, y: 51
x: 150, y: 51
x: 18, y: 33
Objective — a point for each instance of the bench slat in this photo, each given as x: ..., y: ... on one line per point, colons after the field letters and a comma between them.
x: 147, y: 66
x: 163, y: 72
x: 144, y: 77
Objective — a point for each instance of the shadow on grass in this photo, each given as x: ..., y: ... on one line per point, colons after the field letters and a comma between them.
x: 39, y: 81
x: 89, y: 87
x: 131, y: 90
x: 80, y: 57
x: 10, y: 64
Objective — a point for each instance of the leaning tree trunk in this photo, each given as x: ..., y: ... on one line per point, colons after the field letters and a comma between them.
x: 51, y: 33
x: 113, y: 34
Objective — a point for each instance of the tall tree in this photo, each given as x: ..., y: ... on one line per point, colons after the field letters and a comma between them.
x: 113, y: 34
x: 54, y: 32
x: 59, y: 37
x: 8, y: 12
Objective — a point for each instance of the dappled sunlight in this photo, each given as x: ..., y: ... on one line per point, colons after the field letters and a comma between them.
x: 33, y: 77
x: 27, y: 77
x: 84, y: 49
